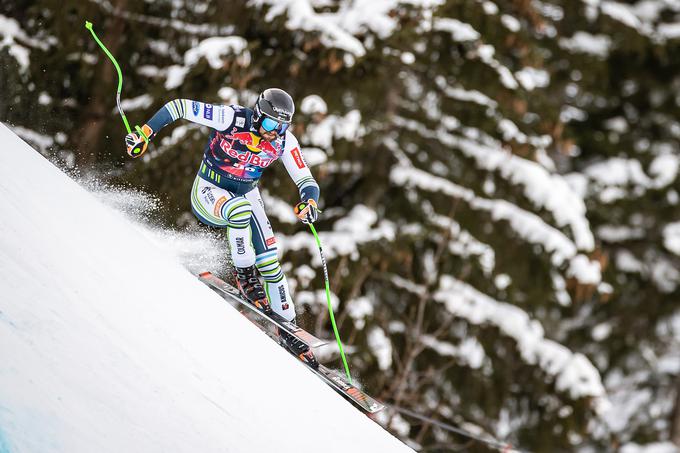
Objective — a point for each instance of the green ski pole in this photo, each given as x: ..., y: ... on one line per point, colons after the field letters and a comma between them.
x: 88, y: 25
x: 328, y: 299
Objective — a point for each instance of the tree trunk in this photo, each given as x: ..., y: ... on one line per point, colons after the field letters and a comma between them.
x: 675, y: 417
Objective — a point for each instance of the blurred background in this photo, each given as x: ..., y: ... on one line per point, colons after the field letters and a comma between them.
x: 499, y: 181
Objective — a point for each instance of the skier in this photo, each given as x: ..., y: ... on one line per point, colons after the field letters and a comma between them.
x: 242, y: 143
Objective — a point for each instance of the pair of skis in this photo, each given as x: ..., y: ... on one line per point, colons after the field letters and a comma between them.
x: 331, y: 377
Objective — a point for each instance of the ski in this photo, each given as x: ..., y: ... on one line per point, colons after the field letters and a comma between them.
x: 233, y: 295
x: 357, y: 396
x: 337, y: 382
x: 331, y: 377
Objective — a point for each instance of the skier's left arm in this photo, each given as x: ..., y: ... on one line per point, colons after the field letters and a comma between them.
x: 217, y: 117
x: 307, y: 210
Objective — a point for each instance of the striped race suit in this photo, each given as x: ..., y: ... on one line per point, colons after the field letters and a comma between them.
x: 225, y: 192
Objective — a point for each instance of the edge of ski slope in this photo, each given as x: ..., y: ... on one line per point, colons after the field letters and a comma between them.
x: 108, y: 344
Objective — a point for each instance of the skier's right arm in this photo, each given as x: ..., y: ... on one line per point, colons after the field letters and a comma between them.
x: 215, y: 116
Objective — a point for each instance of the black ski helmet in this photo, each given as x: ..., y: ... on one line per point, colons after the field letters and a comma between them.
x: 275, y: 104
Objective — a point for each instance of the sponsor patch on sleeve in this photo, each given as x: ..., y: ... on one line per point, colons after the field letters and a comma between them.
x: 298, y: 157
x: 208, y: 112
x: 195, y: 107
x: 270, y: 241
x: 240, y: 121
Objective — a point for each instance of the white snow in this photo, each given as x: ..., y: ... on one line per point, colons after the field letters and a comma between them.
x: 552, y: 12
x: 357, y: 227
x: 401, y: 426
x: 583, y: 42
x: 619, y: 177
x: 459, y: 31
x: 532, y: 78
x: 358, y: 309
x: 671, y: 237
x: 656, y: 447
x: 228, y: 95
x: 573, y: 372
x: 661, y: 271
x: 619, y: 233
x: 560, y: 286
x: 463, y: 243
x: 136, y: 103
x: 44, y: 98
x: 318, y: 298
x: 669, y: 31
x: 664, y: 169
x: 469, y: 352
x: 175, y: 76
x: 322, y: 134
x: 627, y: 262
x: 314, y: 156
x: 544, y: 189
x: 601, y: 331
x: 213, y: 50
x: 380, y: 347
x: 339, y: 29
x: 313, y: 104
x: 10, y: 31
x: 278, y: 208
x: 502, y: 281
x: 528, y: 226
x: 622, y: 13
x: 461, y: 94
x: 617, y: 124
x: 585, y: 270
x: 511, y: 23
x: 618, y: 171
x: 407, y: 58
x: 570, y: 113
x: 489, y: 7
x: 486, y: 52
x: 108, y: 344
x: 665, y: 275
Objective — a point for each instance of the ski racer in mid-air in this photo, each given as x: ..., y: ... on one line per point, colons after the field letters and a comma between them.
x: 242, y: 143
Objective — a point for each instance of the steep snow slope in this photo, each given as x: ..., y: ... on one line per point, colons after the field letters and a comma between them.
x: 108, y: 344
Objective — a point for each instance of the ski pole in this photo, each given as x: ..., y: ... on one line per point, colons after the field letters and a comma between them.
x: 88, y: 25
x: 328, y: 299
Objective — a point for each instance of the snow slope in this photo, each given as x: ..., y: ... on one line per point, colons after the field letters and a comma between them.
x: 108, y: 344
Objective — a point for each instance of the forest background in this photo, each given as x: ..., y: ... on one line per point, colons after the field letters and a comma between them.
x: 499, y: 182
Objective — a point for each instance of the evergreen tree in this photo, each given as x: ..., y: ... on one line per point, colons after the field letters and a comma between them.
x: 499, y: 181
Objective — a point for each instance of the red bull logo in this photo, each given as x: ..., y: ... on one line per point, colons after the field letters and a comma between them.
x: 254, y: 143
x: 246, y: 157
x: 246, y: 153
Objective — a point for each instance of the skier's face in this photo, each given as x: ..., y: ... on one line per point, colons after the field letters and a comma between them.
x: 269, y: 136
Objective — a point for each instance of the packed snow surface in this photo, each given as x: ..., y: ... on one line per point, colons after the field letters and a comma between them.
x: 109, y: 344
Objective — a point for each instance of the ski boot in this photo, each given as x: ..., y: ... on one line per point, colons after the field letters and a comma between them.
x: 252, y: 289
x: 298, y: 348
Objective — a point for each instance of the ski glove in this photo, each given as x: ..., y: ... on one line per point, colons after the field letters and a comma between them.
x: 307, y: 211
x: 137, y: 143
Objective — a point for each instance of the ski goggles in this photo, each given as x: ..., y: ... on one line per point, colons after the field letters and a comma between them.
x: 269, y: 125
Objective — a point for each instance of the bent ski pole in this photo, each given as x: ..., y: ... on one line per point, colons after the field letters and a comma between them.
x: 88, y: 25
x: 328, y: 299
